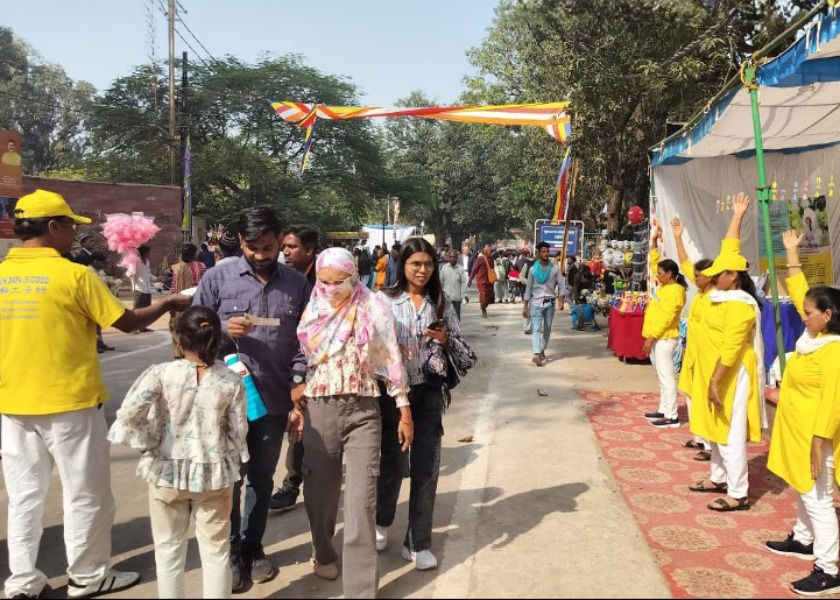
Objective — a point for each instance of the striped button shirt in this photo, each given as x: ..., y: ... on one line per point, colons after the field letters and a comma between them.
x: 410, y: 323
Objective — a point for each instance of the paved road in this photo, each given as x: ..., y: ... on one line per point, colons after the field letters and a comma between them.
x: 525, y: 509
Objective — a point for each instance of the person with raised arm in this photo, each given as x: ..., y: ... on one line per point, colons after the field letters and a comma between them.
x: 805, y: 430
x: 693, y: 273
x: 727, y: 384
x: 661, y: 330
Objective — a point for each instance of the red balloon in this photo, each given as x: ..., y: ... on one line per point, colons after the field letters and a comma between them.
x: 635, y: 214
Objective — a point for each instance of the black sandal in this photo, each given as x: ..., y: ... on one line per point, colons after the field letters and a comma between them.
x: 701, y: 486
x: 703, y: 455
x: 723, y: 505
x: 693, y: 445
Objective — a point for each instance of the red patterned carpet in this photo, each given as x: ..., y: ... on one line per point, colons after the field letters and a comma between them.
x: 703, y: 554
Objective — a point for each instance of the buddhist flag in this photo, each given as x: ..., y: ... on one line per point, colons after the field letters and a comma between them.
x: 186, y: 223
x: 560, y: 206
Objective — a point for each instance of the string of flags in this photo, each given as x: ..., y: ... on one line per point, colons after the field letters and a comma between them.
x: 798, y: 194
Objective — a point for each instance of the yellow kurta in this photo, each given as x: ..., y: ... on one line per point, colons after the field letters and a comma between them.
x: 809, y: 404
x: 727, y: 335
x: 695, y: 317
x: 662, y: 315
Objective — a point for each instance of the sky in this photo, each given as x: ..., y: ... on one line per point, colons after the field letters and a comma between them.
x: 388, y: 48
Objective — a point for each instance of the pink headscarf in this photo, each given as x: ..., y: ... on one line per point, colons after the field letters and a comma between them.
x: 327, y: 324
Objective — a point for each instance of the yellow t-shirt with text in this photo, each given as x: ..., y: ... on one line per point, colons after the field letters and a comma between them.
x: 49, y: 310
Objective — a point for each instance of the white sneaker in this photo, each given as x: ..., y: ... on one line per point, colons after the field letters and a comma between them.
x: 381, y: 538
x: 113, y: 581
x: 423, y: 560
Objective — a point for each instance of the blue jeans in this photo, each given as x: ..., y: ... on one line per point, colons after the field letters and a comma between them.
x: 424, y: 467
x: 265, y: 437
x: 542, y: 315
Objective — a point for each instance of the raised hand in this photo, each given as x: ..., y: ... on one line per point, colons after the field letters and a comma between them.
x: 740, y: 204
x: 677, y: 227
x: 791, y: 239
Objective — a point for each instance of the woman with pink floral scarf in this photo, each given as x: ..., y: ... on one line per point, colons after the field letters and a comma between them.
x: 348, y: 334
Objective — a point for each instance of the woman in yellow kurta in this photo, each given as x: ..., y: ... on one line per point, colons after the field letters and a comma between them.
x: 661, y: 330
x: 693, y: 272
x: 728, y: 383
x: 380, y: 268
x: 809, y: 405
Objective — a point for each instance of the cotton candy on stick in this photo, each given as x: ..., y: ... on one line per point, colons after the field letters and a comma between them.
x: 125, y: 233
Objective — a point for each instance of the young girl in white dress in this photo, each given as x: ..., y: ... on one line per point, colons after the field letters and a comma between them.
x: 188, y: 419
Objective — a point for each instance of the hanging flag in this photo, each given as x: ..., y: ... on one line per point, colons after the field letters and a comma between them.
x: 186, y: 223
x: 560, y: 206
x: 308, y: 140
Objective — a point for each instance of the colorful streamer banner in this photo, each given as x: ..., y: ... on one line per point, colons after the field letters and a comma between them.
x: 552, y: 116
x: 560, y: 207
x: 186, y: 223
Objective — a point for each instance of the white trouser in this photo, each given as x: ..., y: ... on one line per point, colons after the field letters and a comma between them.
x: 697, y: 438
x: 816, y: 521
x: 170, y: 511
x: 663, y: 361
x: 76, y: 443
x: 729, y: 460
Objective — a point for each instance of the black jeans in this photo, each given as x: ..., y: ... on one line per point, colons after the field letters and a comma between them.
x: 265, y: 437
x: 457, y: 307
x: 424, y: 467
x: 294, y: 467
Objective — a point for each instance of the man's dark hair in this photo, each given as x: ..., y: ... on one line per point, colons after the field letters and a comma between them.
x: 543, y: 245
x: 204, y: 247
x: 143, y: 250
x: 27, y: 229
x: 307, y: 235
x: 257, y: 222
x: 188, y: 252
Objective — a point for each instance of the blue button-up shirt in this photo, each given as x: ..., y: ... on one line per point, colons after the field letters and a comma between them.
x: 271, y: 353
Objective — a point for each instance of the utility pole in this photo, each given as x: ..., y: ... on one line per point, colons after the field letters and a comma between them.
x: 186, y: 194
x: 185, y: 121
x: 171, y: 15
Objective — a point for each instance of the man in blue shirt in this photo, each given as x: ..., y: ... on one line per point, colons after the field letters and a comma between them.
x: 260, y: 303
x: 393, y: 265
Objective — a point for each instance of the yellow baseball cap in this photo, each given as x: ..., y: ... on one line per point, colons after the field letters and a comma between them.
x: 726, y: 262
x: 41, y: 204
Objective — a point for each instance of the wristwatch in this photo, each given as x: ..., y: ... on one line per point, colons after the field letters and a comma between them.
x: 298, y: 379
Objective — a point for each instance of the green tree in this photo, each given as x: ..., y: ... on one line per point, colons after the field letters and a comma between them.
x: 627, y: 66
x: 48, y: 109
x: 242, y: 153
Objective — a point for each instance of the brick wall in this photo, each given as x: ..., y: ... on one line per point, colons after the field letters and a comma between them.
x: 95, y: 200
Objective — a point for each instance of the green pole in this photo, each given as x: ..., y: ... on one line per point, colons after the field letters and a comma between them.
x: 763, y: 197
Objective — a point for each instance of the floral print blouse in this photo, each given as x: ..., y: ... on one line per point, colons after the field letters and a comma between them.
x: 191, y: 435
x: 342, y: 374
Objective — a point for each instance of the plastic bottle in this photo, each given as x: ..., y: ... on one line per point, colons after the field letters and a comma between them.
x: 256, y: 406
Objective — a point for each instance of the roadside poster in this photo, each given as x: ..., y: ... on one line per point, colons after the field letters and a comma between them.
x: 11, y: 173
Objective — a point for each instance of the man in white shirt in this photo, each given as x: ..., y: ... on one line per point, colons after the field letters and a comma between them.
x: 465, y: 260
x: 142, y: 282
x: 454, y: 278
x: 546, y: 285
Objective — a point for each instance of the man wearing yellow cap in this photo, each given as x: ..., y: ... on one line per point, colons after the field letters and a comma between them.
x: 51, y: 394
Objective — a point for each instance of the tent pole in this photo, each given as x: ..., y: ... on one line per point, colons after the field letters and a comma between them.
x: 763, y: 197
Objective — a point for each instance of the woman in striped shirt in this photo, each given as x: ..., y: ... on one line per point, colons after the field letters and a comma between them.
x: 422, y: 312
